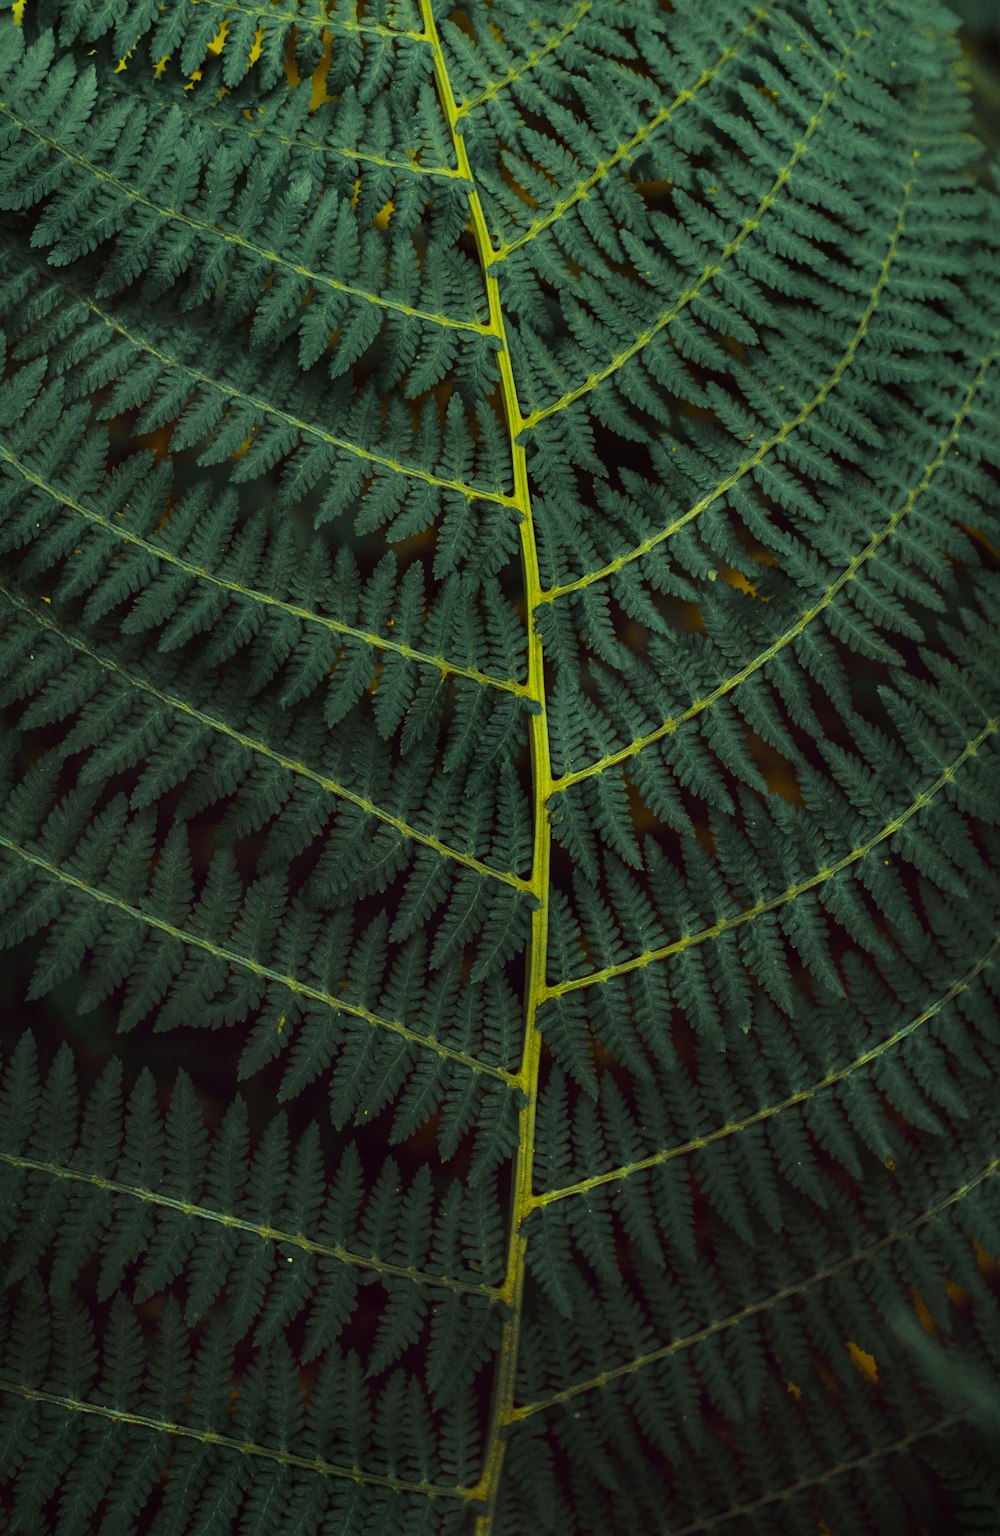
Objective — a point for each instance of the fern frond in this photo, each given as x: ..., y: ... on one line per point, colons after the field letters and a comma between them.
x: 498, y: 656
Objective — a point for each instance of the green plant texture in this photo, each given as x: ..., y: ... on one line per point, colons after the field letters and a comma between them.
x: 498, y: 658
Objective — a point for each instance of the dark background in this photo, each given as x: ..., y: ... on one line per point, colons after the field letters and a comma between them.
x: 93, y: 1037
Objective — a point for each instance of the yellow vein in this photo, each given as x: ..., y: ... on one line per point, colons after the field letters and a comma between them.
x: 253, y: 594
x: 624, y: 152
x: 711, y: 270
x: 320, y: 20
x: 468, y: 105
x: 152, y: 95
x: 656, y: 1159
x: 244, y: 963
x: 857, y: 1257
x: 261, y: 749
x: 823, y: 602
x: 309, y: 429
x: 784, y: 431
x: 175, y: 215
x: 512, y: 1291
x: 267, y: 1234
x: 826, y: 1476
x: 230, y: 1443
x: 727, y: 924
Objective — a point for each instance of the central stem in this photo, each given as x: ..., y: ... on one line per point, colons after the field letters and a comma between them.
x: 512, y: 1291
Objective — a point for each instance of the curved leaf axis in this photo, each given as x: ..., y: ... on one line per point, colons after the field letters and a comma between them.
x: 498, y: 517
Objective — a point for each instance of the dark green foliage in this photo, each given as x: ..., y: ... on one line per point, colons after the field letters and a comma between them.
x: 498, y: 542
